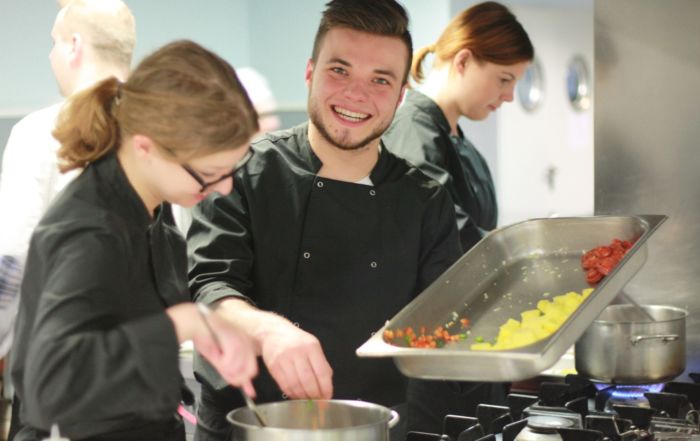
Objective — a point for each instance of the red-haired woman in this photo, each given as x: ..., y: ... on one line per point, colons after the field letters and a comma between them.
x: 478, y: 59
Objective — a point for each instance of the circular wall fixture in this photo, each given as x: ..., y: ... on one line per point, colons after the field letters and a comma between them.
x: 578, y: 84
x: 530, y: 88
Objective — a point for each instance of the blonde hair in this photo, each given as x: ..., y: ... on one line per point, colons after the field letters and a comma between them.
x: 489, y: 30
x: 108, y: 26
x: 187, y: 99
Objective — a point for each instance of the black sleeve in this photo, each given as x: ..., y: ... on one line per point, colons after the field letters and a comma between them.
x: 220, y: 252
x: 439, y: 239
x: 418, y: 140
x: 82, y: 363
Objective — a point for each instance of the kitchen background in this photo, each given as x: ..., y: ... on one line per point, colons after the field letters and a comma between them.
x: 645, y: 73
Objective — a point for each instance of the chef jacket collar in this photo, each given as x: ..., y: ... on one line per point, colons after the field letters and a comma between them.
x: 427, y: 105
x: 378, y: 174
x: 131, y: 205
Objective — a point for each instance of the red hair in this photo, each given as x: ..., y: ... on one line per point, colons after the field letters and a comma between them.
x: 489, y: 30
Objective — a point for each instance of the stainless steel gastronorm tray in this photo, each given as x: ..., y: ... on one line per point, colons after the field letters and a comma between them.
x: 508, y: 272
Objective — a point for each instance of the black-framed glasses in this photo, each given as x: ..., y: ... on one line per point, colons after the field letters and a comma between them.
x: 200, y: 180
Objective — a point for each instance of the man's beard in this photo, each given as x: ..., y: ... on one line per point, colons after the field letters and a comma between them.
x: 340, y: 141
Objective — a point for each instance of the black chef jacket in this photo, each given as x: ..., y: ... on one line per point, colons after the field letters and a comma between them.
x: 421, y: 133
x: 336, y: 258
x: 94, y: 350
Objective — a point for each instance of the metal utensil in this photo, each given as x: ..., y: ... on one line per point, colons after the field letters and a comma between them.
x: 641, y: 313
x: 205, y: 312
x: 253, y: 408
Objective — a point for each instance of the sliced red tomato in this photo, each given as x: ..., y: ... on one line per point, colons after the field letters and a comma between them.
x: 605, y: 265
x: 593, y: 276
x: 603, y: 251
x: 600, y: 261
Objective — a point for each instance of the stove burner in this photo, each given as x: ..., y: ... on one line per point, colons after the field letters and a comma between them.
x: 580, y: 410
x: 548, y: 423
x: 629, y: 395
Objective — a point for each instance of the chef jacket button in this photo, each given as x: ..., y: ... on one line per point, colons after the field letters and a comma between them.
x: 319, y: 184
x: 372, y: 192
x: 307, y: 255
x: 373, y: 264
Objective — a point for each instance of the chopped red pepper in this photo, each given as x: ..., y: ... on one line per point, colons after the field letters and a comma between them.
x: 424, y: 339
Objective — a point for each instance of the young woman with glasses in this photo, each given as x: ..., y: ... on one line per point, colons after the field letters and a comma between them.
x: 104, y: 301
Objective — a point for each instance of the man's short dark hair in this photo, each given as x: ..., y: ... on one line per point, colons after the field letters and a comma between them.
x: 381, y: 17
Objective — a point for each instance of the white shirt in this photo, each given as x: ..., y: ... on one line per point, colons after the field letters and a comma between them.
x: 29, y: 181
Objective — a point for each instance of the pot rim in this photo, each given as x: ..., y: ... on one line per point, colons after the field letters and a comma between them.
x: 683, y: 314
x: 353, y: 403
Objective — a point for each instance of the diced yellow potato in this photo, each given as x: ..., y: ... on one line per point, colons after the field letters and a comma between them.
x: 536, y: 324
x: 569, y: 301
x: 529, y: 315
x: 507, y: 329
x: 504, y: 332
x: 551, y: 324
x: 512, y: 323
x: 544, y: 305
x: 523, y: 337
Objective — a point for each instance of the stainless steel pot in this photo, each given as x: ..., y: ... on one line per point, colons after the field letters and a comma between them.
x: 620, y: 350
x: 314, y: 420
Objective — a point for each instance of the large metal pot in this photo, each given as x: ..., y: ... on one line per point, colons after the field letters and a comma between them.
x: 623, y: 347
x: 314, y: 420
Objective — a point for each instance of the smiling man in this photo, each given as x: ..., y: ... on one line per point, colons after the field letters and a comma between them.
x: 327, y: 234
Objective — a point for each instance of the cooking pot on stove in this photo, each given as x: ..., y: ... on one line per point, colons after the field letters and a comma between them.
x: 623, y: 346
x: 314, y: 420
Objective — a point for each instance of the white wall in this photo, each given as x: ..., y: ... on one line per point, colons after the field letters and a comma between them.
x: 554, y: 135
x: 26, y: 82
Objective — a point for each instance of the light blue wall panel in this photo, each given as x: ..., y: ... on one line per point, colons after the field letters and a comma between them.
x: 282, y: 34
x: 219, y: 25
x: 26, y: 81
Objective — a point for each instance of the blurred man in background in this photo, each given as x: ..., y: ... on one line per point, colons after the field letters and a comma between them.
x: 92, y: 40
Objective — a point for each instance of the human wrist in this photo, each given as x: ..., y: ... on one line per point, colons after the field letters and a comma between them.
x: 186, y: 320
x: 259, y: 324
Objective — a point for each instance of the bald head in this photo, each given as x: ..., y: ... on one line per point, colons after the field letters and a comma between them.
x: 107, y: 26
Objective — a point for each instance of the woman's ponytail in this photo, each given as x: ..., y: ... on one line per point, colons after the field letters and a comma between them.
x: 417, y: 64
x: 87, y: 127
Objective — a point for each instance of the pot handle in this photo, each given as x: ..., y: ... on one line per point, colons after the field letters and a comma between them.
x: 664, y: 337
x: 394, y: 418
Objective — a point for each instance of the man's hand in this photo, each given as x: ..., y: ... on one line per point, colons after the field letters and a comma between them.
x: 293, y: 357
x: 296, y: 361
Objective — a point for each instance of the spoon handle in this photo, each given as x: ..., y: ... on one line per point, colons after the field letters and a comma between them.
x: 251, y: 405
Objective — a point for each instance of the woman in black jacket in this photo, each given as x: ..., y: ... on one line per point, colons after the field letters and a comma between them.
x: 104, y: 301
x: 478, y: 59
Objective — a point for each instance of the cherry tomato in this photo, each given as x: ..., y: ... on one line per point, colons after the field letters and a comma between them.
x: 600, y: 261
x: 593, y: 276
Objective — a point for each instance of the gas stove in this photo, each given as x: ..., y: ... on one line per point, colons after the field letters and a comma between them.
x: 579, y: 410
